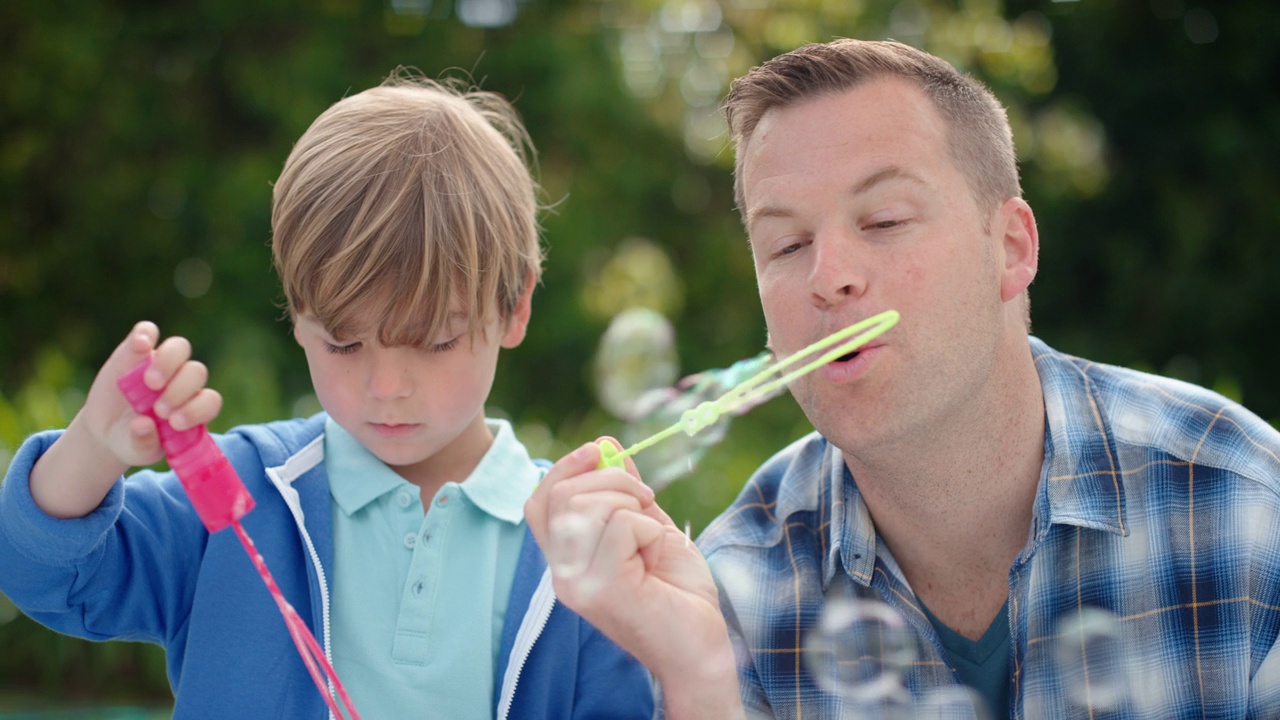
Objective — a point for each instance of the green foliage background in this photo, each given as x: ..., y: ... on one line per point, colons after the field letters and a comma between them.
x: 138, y: 143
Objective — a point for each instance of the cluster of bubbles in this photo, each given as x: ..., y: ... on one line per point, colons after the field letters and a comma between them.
x: 861, y: 650
x: 635, y: 373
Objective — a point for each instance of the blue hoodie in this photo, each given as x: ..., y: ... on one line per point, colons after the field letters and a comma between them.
x: 142, y: 567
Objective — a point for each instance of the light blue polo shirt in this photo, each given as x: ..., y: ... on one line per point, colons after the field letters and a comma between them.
x: 419, y: 598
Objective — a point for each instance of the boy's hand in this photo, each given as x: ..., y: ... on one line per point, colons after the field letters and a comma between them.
x: 184, y: 403
x: 107, y: 437
x: 621, y: 563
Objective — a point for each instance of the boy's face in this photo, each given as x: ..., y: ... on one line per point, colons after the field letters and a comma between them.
x: 419, y: 410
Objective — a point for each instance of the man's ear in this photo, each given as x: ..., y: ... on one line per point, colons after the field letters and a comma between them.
x: 518, y: 323
x: 1019, y: 247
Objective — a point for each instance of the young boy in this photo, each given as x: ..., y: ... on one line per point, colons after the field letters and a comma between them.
x: 405, y: 237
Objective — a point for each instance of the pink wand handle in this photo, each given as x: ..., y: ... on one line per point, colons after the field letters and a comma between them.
x: 215, y: 490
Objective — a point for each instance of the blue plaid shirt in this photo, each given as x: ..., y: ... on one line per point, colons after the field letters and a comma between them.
x: 1149, y: 586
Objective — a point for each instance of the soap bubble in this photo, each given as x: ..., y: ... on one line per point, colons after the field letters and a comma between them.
x: 951, y: 702
x: 661, y: 408
x: 1089, y: 649
x: 571, y: 543
x: 637, y: 354
x: 860, y: 650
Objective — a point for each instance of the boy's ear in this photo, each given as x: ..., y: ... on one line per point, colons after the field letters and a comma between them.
x: 297, y: 333
x: 513, y: 335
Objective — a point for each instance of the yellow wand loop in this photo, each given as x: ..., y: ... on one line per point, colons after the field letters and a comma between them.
x: 760, y: 385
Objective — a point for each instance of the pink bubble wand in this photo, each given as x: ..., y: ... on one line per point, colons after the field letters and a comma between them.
x: 221, y: 500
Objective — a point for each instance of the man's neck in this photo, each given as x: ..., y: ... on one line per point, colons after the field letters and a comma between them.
x: 956, y: 510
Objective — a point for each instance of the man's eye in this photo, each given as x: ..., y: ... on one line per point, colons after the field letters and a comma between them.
x: 342, y: 349
x: 886, y: 224
x: 790, y: 248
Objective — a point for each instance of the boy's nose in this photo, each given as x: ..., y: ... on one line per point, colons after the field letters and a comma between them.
x: 389, y: 379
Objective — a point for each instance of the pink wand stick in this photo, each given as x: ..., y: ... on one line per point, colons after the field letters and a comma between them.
x: 220, y: 500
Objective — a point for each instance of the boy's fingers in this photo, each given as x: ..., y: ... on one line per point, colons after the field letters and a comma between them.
x: 135, y: 346
x: 169, y: 356
x: 187, y: 381
x: 199, y: 410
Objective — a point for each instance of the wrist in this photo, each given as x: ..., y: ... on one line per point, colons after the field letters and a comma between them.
x: 705, y: 689
x: 74, y: 474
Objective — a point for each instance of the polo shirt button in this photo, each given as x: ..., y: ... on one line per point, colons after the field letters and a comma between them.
x: 403, y: 499
x: 410, y: 540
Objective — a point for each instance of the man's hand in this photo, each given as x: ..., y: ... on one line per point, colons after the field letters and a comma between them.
x: 621, y: 563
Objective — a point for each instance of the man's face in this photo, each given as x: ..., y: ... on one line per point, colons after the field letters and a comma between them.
x: 854, y: 206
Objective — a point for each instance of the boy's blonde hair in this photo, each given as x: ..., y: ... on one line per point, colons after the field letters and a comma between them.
x: 403, y: 203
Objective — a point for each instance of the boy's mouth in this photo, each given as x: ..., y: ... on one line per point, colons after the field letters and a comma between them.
x: 848, y: 356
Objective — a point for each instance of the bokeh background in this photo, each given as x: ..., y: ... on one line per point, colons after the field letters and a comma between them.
x: 139, y: 141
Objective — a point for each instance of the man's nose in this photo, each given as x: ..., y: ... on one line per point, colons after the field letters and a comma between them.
x: 838, y: 271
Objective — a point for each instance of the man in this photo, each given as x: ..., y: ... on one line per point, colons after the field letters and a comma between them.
x: 1069, y: 539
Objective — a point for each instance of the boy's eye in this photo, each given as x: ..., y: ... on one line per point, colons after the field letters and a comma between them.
x: 445, y: 346
x: 342, y: 349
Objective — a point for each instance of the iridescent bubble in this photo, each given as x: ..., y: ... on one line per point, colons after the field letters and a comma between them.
x: 637, y: 355
x: 676, y: 455
x: 571, y: 541
x: 951, y: 703
x: 861, y: 649
x: 1092, y: 663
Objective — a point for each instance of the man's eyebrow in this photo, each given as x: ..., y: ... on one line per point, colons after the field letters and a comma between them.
x: 893, y: 172
x: 888, y: 174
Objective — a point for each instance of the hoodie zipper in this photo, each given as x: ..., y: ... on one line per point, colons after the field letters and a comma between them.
x: 531, y: 627
x: 291, y: 500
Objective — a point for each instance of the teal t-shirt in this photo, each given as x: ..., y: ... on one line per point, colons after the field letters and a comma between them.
x: 982, y: 664
x: 419, y: 599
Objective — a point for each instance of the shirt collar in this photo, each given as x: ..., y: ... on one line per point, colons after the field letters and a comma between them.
x: 1081, y: 480
x: 499, y: 485
x: 356, y: 476
x: 505, y: 476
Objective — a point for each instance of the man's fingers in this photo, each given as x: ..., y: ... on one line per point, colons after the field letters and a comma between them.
x: 575, y: 474
x: 619, y: 551
x: 574, y: 528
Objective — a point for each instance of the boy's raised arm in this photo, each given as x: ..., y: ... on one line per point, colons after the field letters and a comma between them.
x: 107, y: 437
x: 623, y: 565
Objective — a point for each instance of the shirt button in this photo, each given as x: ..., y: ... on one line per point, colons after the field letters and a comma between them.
x: 403, y: 500
x: 410, y: 540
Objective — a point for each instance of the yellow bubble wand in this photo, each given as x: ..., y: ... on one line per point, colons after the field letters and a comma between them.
x: 759, y: 386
